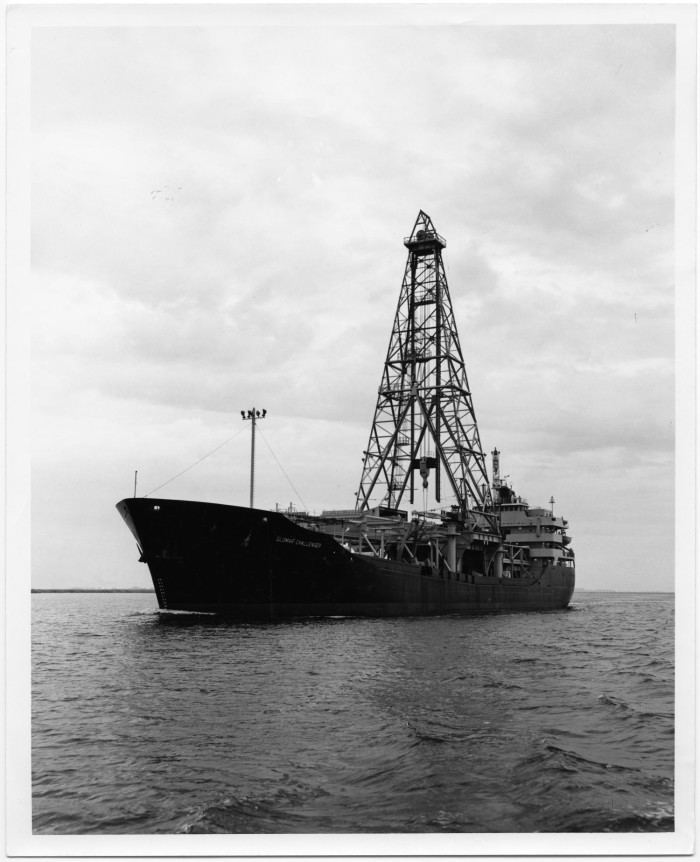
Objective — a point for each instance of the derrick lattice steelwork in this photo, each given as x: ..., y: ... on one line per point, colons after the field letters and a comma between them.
x: 424, y: 429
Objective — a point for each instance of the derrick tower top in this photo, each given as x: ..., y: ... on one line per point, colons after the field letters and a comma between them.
x: 425, y: 239
x: 424, y: 421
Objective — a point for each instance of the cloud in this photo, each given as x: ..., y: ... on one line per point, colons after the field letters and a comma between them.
x: 217, y: 222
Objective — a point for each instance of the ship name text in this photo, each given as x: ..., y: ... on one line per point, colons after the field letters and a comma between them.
x: 287, y: 540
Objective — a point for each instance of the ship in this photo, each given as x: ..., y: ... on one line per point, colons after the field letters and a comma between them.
x: 479, y: 547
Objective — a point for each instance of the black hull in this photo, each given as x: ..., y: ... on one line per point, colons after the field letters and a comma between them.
x: 254, y: 564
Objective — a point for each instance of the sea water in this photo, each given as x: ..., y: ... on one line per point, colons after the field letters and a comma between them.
x: 151, y: 723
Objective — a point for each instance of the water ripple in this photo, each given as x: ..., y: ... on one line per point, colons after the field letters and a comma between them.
x: 146, y: 722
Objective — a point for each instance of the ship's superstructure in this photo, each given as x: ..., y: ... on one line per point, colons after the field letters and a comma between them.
x: 536, y: 529
x: 485, y: 550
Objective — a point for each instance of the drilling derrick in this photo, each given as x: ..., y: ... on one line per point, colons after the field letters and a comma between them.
x: 424, y: 430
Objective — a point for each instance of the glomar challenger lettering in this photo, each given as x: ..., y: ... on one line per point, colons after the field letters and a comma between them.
x: 287, y: 540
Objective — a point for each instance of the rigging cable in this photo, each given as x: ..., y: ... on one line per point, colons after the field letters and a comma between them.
x: 198, y: 461
x: 291, y: 484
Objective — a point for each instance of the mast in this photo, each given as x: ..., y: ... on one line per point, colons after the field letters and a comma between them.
x: 424, y: 419
x: 252, y: 415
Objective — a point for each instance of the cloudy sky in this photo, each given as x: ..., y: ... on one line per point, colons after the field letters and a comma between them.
x: 217, y: 217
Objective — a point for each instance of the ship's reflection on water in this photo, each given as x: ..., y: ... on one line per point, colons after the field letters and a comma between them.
x: 151, y: 722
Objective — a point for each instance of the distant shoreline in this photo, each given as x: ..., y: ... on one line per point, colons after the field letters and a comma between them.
x: 147, y: 590
x: 88, y: 590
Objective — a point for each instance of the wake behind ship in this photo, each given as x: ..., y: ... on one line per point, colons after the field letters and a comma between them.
x: 486, y: 550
